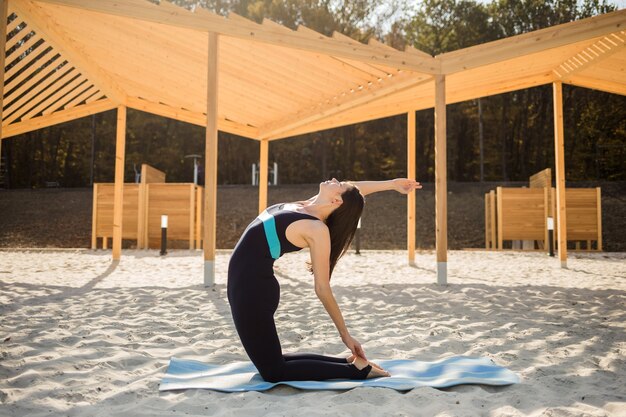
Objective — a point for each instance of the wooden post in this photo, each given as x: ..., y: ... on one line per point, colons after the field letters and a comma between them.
x: 118, y: 195
x: 192, y: 216
x: 441, y: 187
x: 599, y: 220
x: 499, y: 216
x: 199, y: 208
x: 410, y: 206
x: 263, y: 171
x: 4, y: 4
x: 210, y: 175
x: 559, y: 156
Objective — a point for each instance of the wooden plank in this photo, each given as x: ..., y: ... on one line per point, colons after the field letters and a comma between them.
x: 45, y: 59
x: 583, y: 80
x: 582, y: 61
x: 340, y: 104
x: 57, y: 117
x: 541, y: 179
x: 559, y: 156
x: 53, y: 98
x: 532, y: 42
x: 187, y: 116
x: 37, y: 54
x: 175, y: 201
x: 14, y: 24
x: 199, y: 194
x: 19, y: 36
x: 499, y: 215
x: 487, y: 224
x: 83, y: 96
x: 150, y: 174
x: 142, y: 213
x: 263, y: 173
x: 441, y: 180
x: 17, y: 53
x: 380, y: 69
x: 71, y: 95
x: 208, y: 22
x: 599, y: 218
x: 94, y: 217
x: 54, y: 34
x: 522, y: 214
x: 210, y: 195
x: 492, y: 205
x: 411, y: 173
x: 120, y: 150
x: 192, y: 211
x: 18, y: 107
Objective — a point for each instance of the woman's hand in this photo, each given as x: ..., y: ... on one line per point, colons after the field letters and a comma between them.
x: 354, y: 346
x: 405, y: 185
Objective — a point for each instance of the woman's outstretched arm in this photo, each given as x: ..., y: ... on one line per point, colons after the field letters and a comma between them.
x: 401, y: 185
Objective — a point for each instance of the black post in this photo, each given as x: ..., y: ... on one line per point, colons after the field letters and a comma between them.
x: 551, y: 235
x: 163, y: 235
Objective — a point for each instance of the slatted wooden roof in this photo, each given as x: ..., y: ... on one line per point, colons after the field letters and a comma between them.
x: 70, y: 58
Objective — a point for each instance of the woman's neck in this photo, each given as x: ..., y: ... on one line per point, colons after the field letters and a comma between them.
x: 318, y: 207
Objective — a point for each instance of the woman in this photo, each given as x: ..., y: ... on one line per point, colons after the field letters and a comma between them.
x: 326, y: 224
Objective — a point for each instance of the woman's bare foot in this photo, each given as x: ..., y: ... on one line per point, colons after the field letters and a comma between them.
x: 351, y: 358
x: 375, y: 372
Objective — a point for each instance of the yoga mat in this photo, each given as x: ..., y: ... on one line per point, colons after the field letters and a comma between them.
x: 406, y: 375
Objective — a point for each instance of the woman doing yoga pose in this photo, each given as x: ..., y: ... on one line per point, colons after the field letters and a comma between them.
x: 326, y: 224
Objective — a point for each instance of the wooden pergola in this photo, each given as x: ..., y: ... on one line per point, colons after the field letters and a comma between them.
x: 67, y: 59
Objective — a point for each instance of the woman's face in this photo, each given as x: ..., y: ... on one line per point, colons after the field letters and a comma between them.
x: 333, y: 188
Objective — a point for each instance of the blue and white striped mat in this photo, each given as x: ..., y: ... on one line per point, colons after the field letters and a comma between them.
x: 406, y: 375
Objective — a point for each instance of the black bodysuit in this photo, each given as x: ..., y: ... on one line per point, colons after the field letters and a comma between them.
x: 253, y: 293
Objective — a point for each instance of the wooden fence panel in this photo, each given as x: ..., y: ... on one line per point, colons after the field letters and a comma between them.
x: 522, y: 214
x: 103, y: 217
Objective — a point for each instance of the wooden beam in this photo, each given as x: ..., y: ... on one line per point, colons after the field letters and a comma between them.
x: 342, y: 102
x: 559, y: 163
x: 532, y: 42
x: 118, y: 195
x: 263, y: 173
x: 441, y: 185
x: 210, y: 182
x: 581, y: 80
x: 179, y: 17
x: 52, y: 33
x: 591, y: 55
x: 58, y: 117
x: 187, y: 116
x: 411, y: 171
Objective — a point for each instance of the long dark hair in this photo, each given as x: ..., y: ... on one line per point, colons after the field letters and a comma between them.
x: 342, y: 224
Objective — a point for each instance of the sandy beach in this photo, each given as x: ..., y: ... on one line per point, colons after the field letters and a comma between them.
x: 81, y: 337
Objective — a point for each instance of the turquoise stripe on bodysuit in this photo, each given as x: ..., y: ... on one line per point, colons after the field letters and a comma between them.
x: 269, y: 225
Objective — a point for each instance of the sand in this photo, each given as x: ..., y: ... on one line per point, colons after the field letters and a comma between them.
x: 80, y: 337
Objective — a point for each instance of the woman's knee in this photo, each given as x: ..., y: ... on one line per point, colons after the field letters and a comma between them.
x: 271, y: 374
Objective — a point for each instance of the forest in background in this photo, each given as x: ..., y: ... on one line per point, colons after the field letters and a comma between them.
x: 517, y: 126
